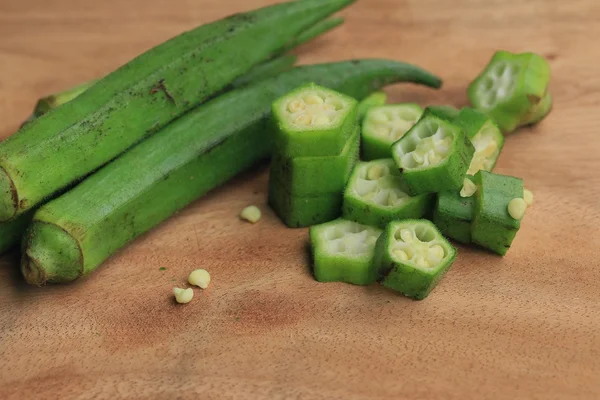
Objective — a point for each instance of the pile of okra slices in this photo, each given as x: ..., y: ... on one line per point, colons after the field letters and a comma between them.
x: 424, y: 176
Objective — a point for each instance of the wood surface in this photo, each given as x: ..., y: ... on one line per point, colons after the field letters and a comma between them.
x: 522, y: 327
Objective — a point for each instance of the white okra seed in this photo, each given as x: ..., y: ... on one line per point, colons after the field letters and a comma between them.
x: 517, y: 208
x: 528, y: 197
x: 183, y: 296
x: 200, y: 278
x: 251, y: 214
x: 468, y: 189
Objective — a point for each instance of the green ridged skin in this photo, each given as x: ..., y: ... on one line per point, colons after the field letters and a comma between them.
x: 343, y: 252
x: 409, y: 276
x: 142, y: 97
x: 374, y: 100
x: 510, y: 86
x: 311, y: 176
x: 452, y: 149
x: 448, y: 113
x: 55, y: 100
x: 303, y: 211
x: 169, y: 170
x: 316, y: 30
x: 384, y: 125
x: 493, y: 228
x: 540, y: 111
x: 298, y: 129
x: 453, y: 215
x: 374, y: 196
x: 12, y: 230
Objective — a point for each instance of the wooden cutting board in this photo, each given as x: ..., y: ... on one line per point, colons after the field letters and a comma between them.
x: 522, y: 327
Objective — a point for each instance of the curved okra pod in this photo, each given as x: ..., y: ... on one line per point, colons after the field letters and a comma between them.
x: 411, y: 257
x: 311, y: 176
x: 374, y: 195
x: 453, y: 213
x: 493, y: 226
x: 510, y: 87
x: 313, y: 121
x: 343, y: 252
x: 384, y: 125
x: 433, y: 156
x: 374, y: 100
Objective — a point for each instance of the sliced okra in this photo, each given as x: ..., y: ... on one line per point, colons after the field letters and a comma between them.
x: 493, y: 226
x: 411, y: 257
x: 373, y: 100
x: 311, y: 176
x: 343, y: 252
x: 485, y: 136
x: 448, y: 113
x: 299, y: 211
x: 510, y: 87
x: 384, y: 125
x: 433, y: 156
x: 374, y: 195
x: 313, y: 121
x: 453, y: 213
x: 539, y: 112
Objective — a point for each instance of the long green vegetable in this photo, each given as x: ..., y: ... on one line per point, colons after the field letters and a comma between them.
x: 141, y: 98
x: 72, y: 235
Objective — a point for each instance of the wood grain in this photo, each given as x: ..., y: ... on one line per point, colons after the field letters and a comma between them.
x: 523, y: 327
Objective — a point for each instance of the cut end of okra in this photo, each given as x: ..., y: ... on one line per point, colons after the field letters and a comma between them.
x: 433, y: 156
x: 384, y: 125
x: 373, y: 100
x: 374, y: 195
x: 510, y: 87
x: 343, y: 252
x: 412, y: 256
x: 314, y: 121
x: 499, y: 208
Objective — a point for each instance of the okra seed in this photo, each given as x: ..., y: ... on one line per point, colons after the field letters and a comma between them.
x: 251, y: 214
x: 528, y: 197
x: 437, y: 251
x: 303, y: 119
x: 313, y: 99
x: 422, y: 262
x: 296, y: 106
x: 401, y: 255
x: 375, y: 172
x: 200, y: 278
x: 406, y: 235
x: 468, y: 189
x: 379, y: 117
x: 517, y: 208
x: 322, y: 120
x: 183, y: 296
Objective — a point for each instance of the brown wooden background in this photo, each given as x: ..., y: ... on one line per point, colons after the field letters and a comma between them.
x: 523, y: 327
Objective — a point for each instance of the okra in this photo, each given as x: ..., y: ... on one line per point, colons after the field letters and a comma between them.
x: 374, y: 196
x: 433, y: 156
x: 311, y: 176
x: 142, y: 97
x: 510, y: 87
x: 453, y: 214
x: 374, y: 100
x: 313, y: 121
x: 384, y: 125
x: 448, y: 113
x: 411, y: 257
x: 12, y: 230
x: 73, y: 234
x: 493, y: 227
x: 540, y: 111
x: 343, y: 252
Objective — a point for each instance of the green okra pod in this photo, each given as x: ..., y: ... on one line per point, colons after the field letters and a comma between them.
x: 411, y: 257
x: 141, y: 97
x: 384, y: 125
x: 375, y: 196
x: 72, y: 235
x: 453, y: 214
x: 539, y: 112
x: 433, y: 156
x: 343, y: 252
x: 374, y: 100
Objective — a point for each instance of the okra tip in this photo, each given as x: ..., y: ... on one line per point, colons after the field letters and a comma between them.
x: 50, y: 254
x: 8, y: 196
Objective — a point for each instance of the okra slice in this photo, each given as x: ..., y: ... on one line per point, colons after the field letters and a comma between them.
x: 343, y: 252
x: 311, y: 176
x: 540, y: 111
x: 301, y: 211
x: 411, y: 257
x: 313, y: 121
x: 448, y: 113
x: 493, y: 227
x: 373, y: 100
x: 433, y: 156
x: 384, y: 125
x: 485, y: 136
x: 453, y: 213
x: 374, y: 195
x: 510, y: 87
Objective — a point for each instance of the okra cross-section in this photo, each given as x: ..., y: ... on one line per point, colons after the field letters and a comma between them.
x: 411, y: 257
x: 311, y: 176
x: 510, y: 87
x: 343, y: 252
x: 493, y: 227
x: 453, y: 213
x: 374, y: 195
x: 313, y: 121
x: 384, y: 125
x: 433, y: 156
